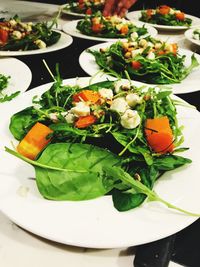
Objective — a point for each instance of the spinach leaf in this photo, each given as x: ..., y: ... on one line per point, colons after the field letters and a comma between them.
x: 22, y: 121
x: 68, y: 171
x: 169, y: 162
x: 78, y: 173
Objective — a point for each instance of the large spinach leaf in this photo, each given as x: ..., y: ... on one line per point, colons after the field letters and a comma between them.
x: 66, y: 171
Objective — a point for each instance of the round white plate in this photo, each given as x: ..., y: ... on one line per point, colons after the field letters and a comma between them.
x: 96, y: 223
x: 135, y: 15
x: 70, y: 28
x: 188, y: 85
x: 64, y: 41
x: 189, y: 36
x: 19, y: 72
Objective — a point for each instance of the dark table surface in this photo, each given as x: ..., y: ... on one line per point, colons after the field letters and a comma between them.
x: 186, y: 243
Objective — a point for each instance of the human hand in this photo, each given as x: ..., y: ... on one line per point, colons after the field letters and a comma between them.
x: 117, y: 7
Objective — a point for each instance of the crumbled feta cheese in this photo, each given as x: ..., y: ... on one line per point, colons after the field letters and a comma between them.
x: 171, y: 12
x: 136, y: 52
x: 130, y: 119
x: 53, y: 117
x: 22, y: 191
x: 133, y: 44
x: 106, y: 93
x: 150, y: 44
x: 151, y: 55
x: 40, y: 44
x: 121, y: 84
x: 81, y: 109
x: 158, y: 45
x: 13, y: 22
x: 115, y: 19
x: 134, y: 36
x: 133, y: 99
x: 17, y: 34
x: 119, y: 104
x: 70, y: 117
x: 143, y: 43
x: 119, y: 26
x: 169, y: 47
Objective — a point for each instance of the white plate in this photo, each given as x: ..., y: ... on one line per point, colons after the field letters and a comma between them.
x: 70, y: 28
x: 27, y: 11
x: 19, y: 72
x: 188, y: 85
x: 135, y: 15
x: 64, y: 41
x: 96, y: 223
x: 189, y: 36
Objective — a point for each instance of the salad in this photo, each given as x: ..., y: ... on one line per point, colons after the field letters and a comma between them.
x: 109, y: 137
x: 147, y: 60
x: 165, y: 15
x: 4, y: 80
x: 17, y: 35
x: 87, y: 7
x: 196, y: 34
x: 108, y: 27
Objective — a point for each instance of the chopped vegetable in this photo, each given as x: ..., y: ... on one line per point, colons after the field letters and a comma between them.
x: 87, y: 95
x: 3, y: 36
x: 159, y: 134
x: 180, y: 16
x: 85, y: 121
x: 34, y: 141
x: 136, y: 65
x: 164, y: 10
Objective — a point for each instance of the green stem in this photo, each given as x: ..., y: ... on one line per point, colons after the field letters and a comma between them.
x: 36, y: 163
x: 127, y: 178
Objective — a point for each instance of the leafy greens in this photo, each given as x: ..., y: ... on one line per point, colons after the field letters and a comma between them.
x: 146, y: 60
x: 103, y: 158
x: 4, y: 80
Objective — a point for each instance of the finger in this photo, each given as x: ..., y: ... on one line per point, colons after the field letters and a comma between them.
x: 123, y: 6
x: 108, y: 9
x: 122, y: 12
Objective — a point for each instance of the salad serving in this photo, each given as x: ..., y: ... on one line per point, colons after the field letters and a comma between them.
x: 147, y: 60
x: 17, y: 35
x: 106, y: 138
x: 87, y: 7
x: 4, y: 80
x: 165, y: 15
x: 109, y: 27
